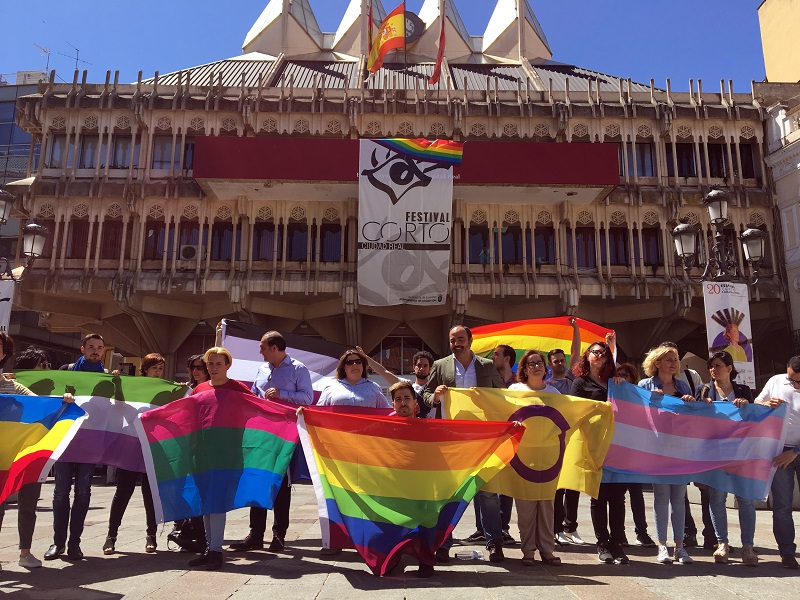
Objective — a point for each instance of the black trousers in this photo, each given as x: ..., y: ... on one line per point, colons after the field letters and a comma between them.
x: 126, y: 484
x: 280, y: 523
x: 690, y: 527
x: 637, y: 508
x: 608, y: 512
x: 565, y: 511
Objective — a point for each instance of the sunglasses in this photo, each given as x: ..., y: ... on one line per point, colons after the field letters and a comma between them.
x: 597, y: 352
x: 197, y: 367
x: 535, y: 365
x: 356, y: 361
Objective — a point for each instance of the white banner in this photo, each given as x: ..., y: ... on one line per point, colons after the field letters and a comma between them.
x: 405, y: 205
x: 6, y: 300
x: 728, y: 326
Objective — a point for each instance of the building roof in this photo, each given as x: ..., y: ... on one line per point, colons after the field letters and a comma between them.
x: 579, y: 78
x: 229, y: 70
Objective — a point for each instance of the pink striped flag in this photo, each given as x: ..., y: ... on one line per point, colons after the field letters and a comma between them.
x: 662, y: 439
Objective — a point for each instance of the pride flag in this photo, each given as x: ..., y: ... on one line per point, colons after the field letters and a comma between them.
x: 390, y: 486
x: 563, y: 446
x: 437, y: 151
x: 35, y: 430
x: 112, y: 404
x: 216, y: 451
x: 540, y: 334
x: 661, y: 439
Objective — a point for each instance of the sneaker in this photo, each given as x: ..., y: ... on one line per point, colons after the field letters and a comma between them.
x: 31, y: 562
x: 681, y: 556
x: 476, y: 538
x: 276, y: 545
x: 620, y: 558
x: 722, y: 553
x: 574, y: 538
x: 508, y: 540
x: 663, y: 555
x: 642, y: 539
x: 788, y: 561
x: 214, y: 562
x: 604, y: 554
x: 562, y: 539
x: 749, y: 556
x: 496, y: 553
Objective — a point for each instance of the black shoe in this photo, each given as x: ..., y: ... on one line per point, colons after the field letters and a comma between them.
x: 690, y: 541
x: 276, y: 545
x: 250, y: 542
x: 476, y: 538
x: 74, y: 552
x: 788, y: 561
x: 199, y: 561
x: 442, y: 555
x: 710, y: 543
x: 645, y: 540
x: 214, y: 561
x: 620, y: 558
x: 508, y: 540
x: 496, y: 553
x: 53, y: 552
x: 604, y: 554
x: 425, y: 571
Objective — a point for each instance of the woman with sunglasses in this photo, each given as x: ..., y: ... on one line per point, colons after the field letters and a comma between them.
x: 723, y: 388
x: 352, y: 388
x: 535, y: 517
x: 592, y: 372
x: 198, y: 373
x: 662, y: 365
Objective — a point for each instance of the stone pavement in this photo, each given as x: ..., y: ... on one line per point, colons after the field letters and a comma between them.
x: 301, y: 573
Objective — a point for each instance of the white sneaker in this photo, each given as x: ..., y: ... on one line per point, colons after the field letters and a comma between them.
x: 574, y: 538
x: 562, y: 539
x: 663, y: 555
x: 681, y: 556
x: 29, y: 562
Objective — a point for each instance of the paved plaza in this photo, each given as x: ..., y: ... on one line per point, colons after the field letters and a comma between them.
x: 301, y: 573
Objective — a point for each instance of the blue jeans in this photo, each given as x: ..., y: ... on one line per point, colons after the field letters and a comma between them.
x: 82, y: 472
x: 489, y: 506
x: 668, y: 496
x: 719, y: 516
x: 782, y: 522
x: 215, y: 530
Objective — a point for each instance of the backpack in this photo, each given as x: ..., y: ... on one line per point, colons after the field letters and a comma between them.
x: 189, y: 535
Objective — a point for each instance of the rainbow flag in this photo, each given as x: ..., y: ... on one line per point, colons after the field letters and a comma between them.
x: 661, y: 439
x: 562, y: 448
x: 390, y: 486
x: 112, y: 404
x: 35, y: 430
x: 540, y: 334
x: 216, y: 451
x: 437, y: 151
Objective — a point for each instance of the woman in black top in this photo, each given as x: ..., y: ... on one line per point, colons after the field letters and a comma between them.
x: 592, y: 373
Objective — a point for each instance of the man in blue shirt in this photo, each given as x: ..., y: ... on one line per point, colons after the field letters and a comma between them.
x: 288, y: 380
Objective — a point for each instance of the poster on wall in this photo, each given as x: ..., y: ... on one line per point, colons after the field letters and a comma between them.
x: 405, y: 207
x: 6, y: 300
x: 728, y: 326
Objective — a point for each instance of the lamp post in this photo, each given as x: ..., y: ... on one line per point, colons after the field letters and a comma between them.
x: 34, y: 237
x: 721, y: 264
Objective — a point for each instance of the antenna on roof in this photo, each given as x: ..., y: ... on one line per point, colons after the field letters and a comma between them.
x: 77, y: 54
x: 45, y: 51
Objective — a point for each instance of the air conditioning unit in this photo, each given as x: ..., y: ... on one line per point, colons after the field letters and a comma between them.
x: 189, y: 252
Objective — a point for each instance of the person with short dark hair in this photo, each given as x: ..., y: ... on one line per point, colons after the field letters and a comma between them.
x: 32, y: 358
x: 504, y: 358
x: 92, y: 350
x: 422, y: 363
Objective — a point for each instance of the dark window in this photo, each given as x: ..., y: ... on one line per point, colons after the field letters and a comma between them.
x: 585, y: 247
x: 717, y: 160
x: 330, y: 242
x: 77, y: 239
x: 686, y: 163
x: 155, y: 239
x: 188, y: 233
x: 111, y: 241
x: 479, y: 252
x: 653, y: 250
x: 512, y: 245
x: 89, y: 148
x: 750, y: 166
x: 59, y: 155
x: 545, y: 239
x: 264, y: 241
x: 188, y: 153
x: 618, y: 246
x: 121, y: 151
x: 162, y: 152
x: 644, y: 159
x: 222, y: 241
x: 296, y: 241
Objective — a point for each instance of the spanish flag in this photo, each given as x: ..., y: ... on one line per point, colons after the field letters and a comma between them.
x: 391, y: 36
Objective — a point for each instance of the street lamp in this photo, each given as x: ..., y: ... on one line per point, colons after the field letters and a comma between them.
x: 34, y: 237
x: 6, y: 202
x: 721, y: 265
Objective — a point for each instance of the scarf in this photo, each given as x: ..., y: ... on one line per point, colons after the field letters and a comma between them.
x: 83, y: 365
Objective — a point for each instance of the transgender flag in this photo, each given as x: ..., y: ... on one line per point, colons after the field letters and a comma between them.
x: 662, y: 439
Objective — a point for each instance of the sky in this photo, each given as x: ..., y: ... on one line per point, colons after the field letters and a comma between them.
x: 640, y: 39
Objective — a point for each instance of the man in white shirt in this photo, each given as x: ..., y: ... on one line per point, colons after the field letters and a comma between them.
x: 780, y: 389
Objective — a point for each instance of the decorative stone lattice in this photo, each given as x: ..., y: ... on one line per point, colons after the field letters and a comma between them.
x: 650, y: 218
x: 229, y: 124
x: 756, y: 219
x: 301, y: 126
x: 114, y: 210
x: 405, y: 128
x: 197, y: 124
x: 156, y: 211
x: 617, y: 217
x: 80, y: 210
x: 90, y: 122
x: 437, y: 129
x: 331, y: 214
x: 59, y: 123
x: 298, y: 213
x: 541, y: 130
x: 334, y: 126
x: 163, y: 123
x: 580, y: 130
x: 478, y: 129
x: 715, y: 132
x: 644, y: 131
x: 511, y: 217
x: 510, y: 130
x: 748, y: 132
x: 224, y: 213
x: 269, y: 125
x: 374, y: 128
x: 265, y: 213
x: 612, y: 130
x: 123, y: 123
x: 684, y: 131
x: 692, y: 218
x: 46, y: 210
x: 544, y: 217
x: 479, y: 216
x: 190, y: 212
x: 585, y: 217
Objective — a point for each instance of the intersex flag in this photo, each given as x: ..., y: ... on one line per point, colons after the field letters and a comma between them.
x: 540, y: 334
x: 391, y: 36
x: 34, y: 430
x: 565, y: 440
x: 390, y: 485
x: 112, y: 404
x: 662, y: 439
x: 216, y: 451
